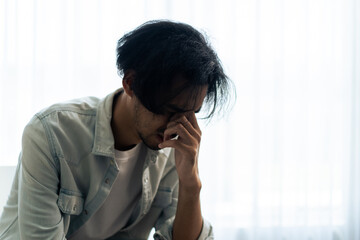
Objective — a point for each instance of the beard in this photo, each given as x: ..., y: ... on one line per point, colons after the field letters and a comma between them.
x: 143, y: 127
x: 147, y: 142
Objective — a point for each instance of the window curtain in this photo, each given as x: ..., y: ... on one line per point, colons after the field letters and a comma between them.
x: 282, y: 163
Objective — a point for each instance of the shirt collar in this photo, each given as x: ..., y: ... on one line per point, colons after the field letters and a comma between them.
x: 104, y: 139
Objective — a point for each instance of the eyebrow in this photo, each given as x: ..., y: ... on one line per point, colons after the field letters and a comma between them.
x: 180, y: 110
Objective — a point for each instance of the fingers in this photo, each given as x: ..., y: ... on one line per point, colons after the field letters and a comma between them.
x: 181, y: 127
x: 178, y: 130
x: 181, y: 120
x: 192, y: 119
x: 175, y: 144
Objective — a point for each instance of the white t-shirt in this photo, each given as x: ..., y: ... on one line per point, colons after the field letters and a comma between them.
x: 116, y: 210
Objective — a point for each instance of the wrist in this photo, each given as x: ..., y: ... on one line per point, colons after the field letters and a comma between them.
x: 190, y: 189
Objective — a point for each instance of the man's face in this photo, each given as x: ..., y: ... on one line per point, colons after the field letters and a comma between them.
x: 150, y: 126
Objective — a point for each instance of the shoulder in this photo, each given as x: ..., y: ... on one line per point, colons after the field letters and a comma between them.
x: 65, y: 126
x: 80, y: 106
x: 72, y: 116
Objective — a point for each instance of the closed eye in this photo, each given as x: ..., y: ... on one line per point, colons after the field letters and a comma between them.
x: 197, y: 111
x: 174, y: 109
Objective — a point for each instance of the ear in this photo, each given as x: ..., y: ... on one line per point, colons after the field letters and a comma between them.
x: 127, y: 81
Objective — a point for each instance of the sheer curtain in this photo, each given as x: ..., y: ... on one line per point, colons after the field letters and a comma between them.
x: 283, y: 164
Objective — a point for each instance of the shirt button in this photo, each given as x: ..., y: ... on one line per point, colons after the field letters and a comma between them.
x: 74, y: 208
x: 146, y: 180
x: 107, y: 181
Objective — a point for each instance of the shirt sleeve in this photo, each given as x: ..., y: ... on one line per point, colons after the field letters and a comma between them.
x: 164, y: 224
x: 165, y: 231
x: 39, y: 214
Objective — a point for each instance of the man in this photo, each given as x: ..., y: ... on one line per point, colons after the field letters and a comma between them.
x: 115, y: 168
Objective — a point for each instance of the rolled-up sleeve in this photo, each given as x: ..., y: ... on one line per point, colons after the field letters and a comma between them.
x: 165, y: 231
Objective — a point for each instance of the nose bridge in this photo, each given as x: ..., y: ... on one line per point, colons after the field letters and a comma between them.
x: 167, y: 118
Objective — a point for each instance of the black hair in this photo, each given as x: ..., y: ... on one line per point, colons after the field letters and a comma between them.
x: 158, y: 51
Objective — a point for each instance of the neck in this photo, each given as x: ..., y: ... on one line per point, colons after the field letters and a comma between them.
x: 122, y: 124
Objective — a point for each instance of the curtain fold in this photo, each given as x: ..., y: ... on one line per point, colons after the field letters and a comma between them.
x: 352, y: 193
x: 284, y: 163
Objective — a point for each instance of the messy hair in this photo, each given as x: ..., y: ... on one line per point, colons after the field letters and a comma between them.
x: 158, y: 51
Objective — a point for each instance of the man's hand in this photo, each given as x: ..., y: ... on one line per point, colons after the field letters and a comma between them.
x: 186, y: 145
x: 184, y: 135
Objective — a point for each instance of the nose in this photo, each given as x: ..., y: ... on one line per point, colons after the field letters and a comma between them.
x: 165, y: 121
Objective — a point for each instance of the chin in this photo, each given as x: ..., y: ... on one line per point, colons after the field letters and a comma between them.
x: 150, y: 144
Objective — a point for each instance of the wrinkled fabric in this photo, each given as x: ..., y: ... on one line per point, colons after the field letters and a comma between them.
x: 66, y: 170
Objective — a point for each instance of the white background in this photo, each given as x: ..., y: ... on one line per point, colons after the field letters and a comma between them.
x: 283, y: 164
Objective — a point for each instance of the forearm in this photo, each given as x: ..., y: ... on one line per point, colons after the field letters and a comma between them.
x: 188, y: 220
